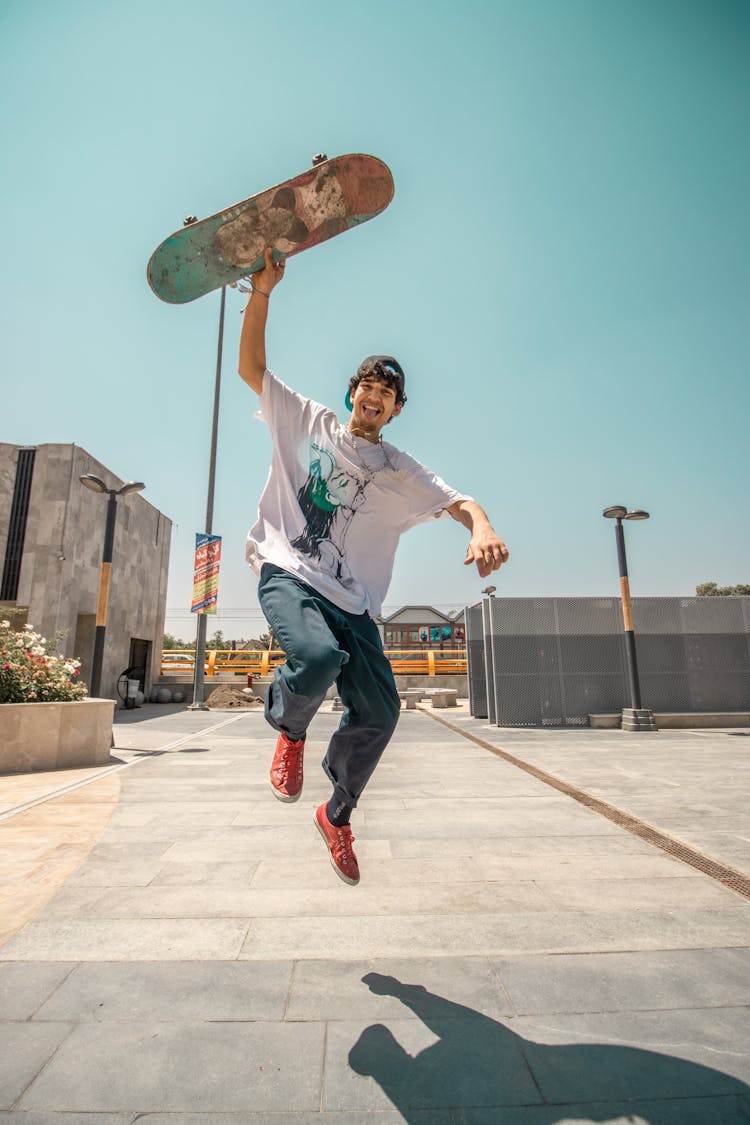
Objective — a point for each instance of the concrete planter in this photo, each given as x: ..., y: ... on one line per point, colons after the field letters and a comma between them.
x: 55, y: 736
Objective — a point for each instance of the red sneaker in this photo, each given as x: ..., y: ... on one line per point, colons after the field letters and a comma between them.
x: 339, y: 841
x: 286, y: 768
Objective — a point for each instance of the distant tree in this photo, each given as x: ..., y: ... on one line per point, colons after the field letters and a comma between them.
x: 217, y: 641
x: 711, y: 590
x: 171, y: 642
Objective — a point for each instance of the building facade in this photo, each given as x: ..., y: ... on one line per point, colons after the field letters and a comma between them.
x: 51, y: 542
x: 423, y: 627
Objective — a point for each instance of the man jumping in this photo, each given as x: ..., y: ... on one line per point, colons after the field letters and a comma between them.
x: 335, y: 504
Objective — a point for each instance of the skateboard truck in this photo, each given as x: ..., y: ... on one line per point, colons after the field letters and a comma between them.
x: 188, y: 222
x: 319, y: 158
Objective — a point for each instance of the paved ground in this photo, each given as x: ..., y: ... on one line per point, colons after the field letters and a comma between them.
x: 175, y: 948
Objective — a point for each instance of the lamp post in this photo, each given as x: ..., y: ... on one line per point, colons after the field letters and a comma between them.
x: 98, y: 485
x: 199, y: 674
x: 634, y: 717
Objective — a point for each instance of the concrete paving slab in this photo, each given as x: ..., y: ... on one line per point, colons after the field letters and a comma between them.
x: 236, y: 901
x: 386, y: 872
x: 215, y: 1067
x: 229, y: 874
x: 558, y: 869
x: 348, y: 1117
x: 685, y: 782
x: 416, y: 1066
x: 642, y: 894
x: 665, y: 1054
x: 486, y: 844
x: 475, y: 935
x: 729, y: 1110
x: 24, y: 988
x: 26, y: 1050
x: 601, y: 982
x: 516, y: 822
x: 530, y: 927
x: 332, y: 990
x: 184, y: 992
x: 192, y: 939
x: 22, y: 1117
x: 133, y: 872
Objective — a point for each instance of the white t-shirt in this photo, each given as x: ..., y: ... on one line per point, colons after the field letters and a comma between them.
x: 335, y: 505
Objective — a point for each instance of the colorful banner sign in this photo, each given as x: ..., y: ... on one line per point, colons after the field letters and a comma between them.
x: 206, y: 574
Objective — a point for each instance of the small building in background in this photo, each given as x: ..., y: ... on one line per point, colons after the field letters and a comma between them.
x: 51, y: 542
x: 423, y: 627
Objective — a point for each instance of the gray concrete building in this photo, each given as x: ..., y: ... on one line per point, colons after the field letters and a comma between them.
x: 51, y: 542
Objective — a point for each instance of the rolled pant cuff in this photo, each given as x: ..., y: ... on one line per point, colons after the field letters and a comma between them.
x: 303, y: 705
x: 340, y: 794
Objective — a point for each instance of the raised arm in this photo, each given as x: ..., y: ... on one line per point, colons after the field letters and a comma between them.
x: 252, y: 363
x: 486, y: 549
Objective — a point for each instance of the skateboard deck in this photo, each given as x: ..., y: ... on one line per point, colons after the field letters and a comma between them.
x: 331, y: 197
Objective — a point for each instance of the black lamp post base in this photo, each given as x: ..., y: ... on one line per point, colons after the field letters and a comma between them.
x: 638, y: 719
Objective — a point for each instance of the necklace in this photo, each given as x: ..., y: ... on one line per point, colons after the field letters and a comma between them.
x: 353, y: 441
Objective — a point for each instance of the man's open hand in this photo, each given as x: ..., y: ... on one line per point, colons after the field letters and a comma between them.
x: 487, y: 550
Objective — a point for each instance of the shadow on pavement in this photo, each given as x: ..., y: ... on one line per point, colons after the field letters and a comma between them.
x: 126, y: 715
x: 486, y: 1073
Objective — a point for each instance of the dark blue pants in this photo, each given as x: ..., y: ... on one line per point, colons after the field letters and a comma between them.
x: 323, y: 645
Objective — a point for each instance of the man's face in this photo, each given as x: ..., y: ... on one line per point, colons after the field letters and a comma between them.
x: 373, y: 405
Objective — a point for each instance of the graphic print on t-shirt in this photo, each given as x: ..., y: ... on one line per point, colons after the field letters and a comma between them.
x: 329, y: 499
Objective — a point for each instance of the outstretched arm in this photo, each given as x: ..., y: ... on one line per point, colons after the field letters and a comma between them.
x: 486, y: 549
x: 252, y: 363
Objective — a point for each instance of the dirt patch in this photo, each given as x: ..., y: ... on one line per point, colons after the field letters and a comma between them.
x: 226, y: 696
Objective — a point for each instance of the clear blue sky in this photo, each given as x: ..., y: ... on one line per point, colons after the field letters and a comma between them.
x: 563, y: 272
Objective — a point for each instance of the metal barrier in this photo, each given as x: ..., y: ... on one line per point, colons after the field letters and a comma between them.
x: 555, y: 661
x: 259, y: 662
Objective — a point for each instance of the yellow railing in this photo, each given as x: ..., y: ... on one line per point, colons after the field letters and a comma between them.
x: 259, y: 662
x: 428, y: 661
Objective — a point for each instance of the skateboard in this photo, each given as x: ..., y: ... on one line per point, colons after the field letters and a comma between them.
x: 329, y: 198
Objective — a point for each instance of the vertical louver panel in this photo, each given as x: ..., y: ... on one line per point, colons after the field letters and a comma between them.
x: 17, y: 527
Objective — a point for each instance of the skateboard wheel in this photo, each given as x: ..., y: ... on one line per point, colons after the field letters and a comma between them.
x: 319, y: 158
x: 188, y: 222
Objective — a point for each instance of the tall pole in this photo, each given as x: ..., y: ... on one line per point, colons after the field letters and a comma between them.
x: 627, y: 618
x: 200, y: 641
x: 103, y: 600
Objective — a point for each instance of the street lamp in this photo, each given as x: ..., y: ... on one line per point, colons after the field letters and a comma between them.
x: 635, y: 717
x: 199, y: 673
x: 97, y: 485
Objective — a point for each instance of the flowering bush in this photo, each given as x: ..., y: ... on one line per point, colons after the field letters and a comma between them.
x: 32, y: 672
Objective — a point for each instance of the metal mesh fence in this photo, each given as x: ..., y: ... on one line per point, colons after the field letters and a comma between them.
x: 555, y: 661
x: 475, y: 661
